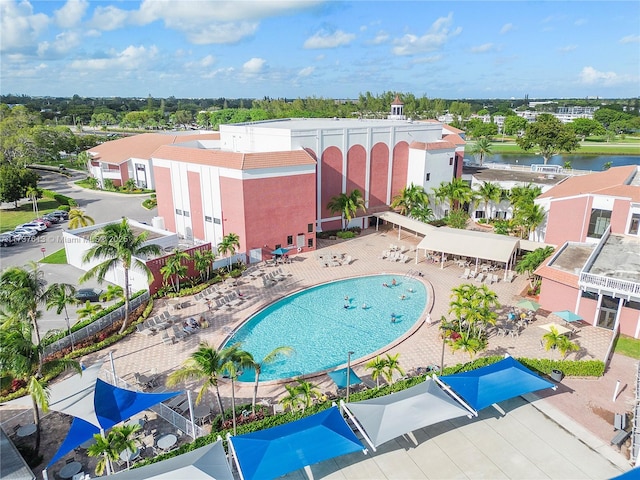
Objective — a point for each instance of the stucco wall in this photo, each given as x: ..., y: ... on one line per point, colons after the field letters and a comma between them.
x: 568, y: 220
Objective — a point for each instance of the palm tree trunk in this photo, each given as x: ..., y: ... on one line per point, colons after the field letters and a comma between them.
x: 255, y: 390
x: 36, y: 421
x: 233, y: 403
x: 36, y: 331
x: 126, y: 300
x: 219, y: 401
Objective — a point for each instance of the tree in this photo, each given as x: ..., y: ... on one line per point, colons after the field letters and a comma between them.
x: 514, y: 124
x: 300, y: 395
x: 78, y: 219
x: 118, y: 439
x: 530, y: 217
x: 489, y: 192
x: 175, y: 268
x: 228, y: 245
x: 206, y: 365
x: 347, y: 205
x: 531, y: 261
x: 291, y: 400
x: 237, y: 359
x: 392, y: 365
x: 268, y: 359
x: 550, y: 136
x: 377, y: 366
x: 481, y: 149
x: 554, y: 340
x: 202, y: 261
x: 116, y: 244
x: 88, y: 310
x: 585, y: 127
x: 14, y: 182
x: 457, y: 192
x: 58, y: 296
x: 112, y: 292
x: 34, y: 193
x: 410, y: 199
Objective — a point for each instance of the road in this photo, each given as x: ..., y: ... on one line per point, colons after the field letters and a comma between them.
x: 101, y: 206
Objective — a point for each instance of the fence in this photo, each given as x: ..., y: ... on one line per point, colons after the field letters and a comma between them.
x: 94, y: 327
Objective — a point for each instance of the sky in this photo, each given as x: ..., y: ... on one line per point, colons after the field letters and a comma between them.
x: 325, y: 49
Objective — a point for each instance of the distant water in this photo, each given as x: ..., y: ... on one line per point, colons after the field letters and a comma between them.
x: 578, y: 162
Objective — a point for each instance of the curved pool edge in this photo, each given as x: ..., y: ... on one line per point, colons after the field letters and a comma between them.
x: 355, y: 362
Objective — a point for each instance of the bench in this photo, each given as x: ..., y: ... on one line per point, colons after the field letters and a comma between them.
x: 620, y: 438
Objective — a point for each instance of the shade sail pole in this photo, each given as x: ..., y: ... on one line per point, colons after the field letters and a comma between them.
x: 113, y: 368
x: 193, y: 425
x: 453, y: 394
x: 232, y: 450
x: 44, y: 474
x: 355, y: 421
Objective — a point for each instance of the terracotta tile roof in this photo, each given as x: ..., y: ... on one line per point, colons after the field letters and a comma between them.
x: 234, y: 160
x: 610, y: 182
x: 454, y: 138
x: 451, y: 129
x: 442, y: 145
x: 560, y: 276
x: 119, y: 151
x: 397, y: 101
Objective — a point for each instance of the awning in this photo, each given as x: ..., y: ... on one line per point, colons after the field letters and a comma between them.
x: 204, y: 463
x: 531, y: 246
x: 339, y: 377
x: 405, y: 222
x: 275, y: 451
x: 469, y: 243
x: 385, y: 418
x: 494, y: 383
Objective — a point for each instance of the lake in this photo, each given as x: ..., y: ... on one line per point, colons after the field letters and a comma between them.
x: 578, y: 162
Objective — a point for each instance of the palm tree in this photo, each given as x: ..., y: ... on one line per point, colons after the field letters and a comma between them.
x: 237, y: 359
x: 481, y: 148
x: 228, y: 245
x: 21, y: 359
x: 457, y: 192
x: 34, y: 193
x: 269, y: 358
x: 347, y: 206
x: 113, y: 292
x: 58, y: 296
x: 553, y: 339
x: 291, y: 400
x: 489, y: 192
x: 21, y: 291
x: 410, y: 198
x: 422, y: 213
x: 377, y: 367
x: 88, y: 310
x: 392, y: 365
x: 77, y: 219
x: 530, y: 217
x: 104, y: 449
x: 207, y: 365
x: 202, y: 261
x: 117, y: 244
x: 175, y: 268
x: 307, y: 391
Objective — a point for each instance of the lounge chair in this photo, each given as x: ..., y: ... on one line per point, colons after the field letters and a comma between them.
x: 480, y: 277
x: 166, y: 339
x: 466, y: 273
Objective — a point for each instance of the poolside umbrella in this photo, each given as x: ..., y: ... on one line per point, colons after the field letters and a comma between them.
x: 339, y: 377
x: 568, y: 316
x: 280, y: 251
x: 527, y: 304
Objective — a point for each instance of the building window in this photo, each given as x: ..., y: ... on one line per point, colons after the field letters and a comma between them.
x: 289, y: 239
x: 450, y: 160
x: 186, y: 214
x: 208, y: 219
x: 479, y: 213
x: 598, y: 223
x: 178, y: 211
x: 310, y: 227
x: 501, y: 215
x: 310, y: 242
x: 635, y: 224
x: 427, y: 177
x: 590, y: 295
x: 216, y: 221
x: 632, y: 304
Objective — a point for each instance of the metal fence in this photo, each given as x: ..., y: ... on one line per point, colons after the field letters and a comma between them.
x: 94, y: 327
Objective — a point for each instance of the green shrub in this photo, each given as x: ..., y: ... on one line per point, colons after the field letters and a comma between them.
x: 345, y: 235
x: 65, y: 208
x: 58, y: 197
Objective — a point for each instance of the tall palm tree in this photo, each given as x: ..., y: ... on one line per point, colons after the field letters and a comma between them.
x: 457, y: 192
x: 34, y: 193
x: 481, y: 149
x: 21, y: 292
x: 228, y: 245
x: 268, y: 359
x: 410, y: 198
x: 116, y: 244
x: 58, y: 296
x: 20, y: 358
x: 530, y: 217
x: 347, y: 205
x: 489, y: 192
x: 88, y: 310
x: 175, y: 267
x: 202, y: 261
x: 237, y: 359
x: 78, y: 218
x: 207, y: 365
x: 377, y: 366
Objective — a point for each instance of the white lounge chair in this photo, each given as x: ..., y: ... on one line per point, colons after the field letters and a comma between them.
x: 480, y: 277
x: 466, y: 273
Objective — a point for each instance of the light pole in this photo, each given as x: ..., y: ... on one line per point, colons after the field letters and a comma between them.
x: 348, y: 373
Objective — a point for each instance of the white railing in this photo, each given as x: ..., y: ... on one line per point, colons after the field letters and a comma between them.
x: 536, y: 169
x: 613, y: 285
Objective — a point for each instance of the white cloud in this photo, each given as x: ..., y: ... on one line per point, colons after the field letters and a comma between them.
x: 108, y: 18
x: 436, y: 37
x: 306, y: 72
x: 204, y: 62
x: 324, y: 39
x: 431, y: 59
x: 567, y: 48
x: 131, y: 58
x: 19, y: 27
x: 71, y: 13
x: 630, y: 39
x: 221, y: 33
x: 485, y: 47
x: 381, y: 37
x: 254, y: 66
x: 63, y: 43
x: 507, y: 27
x: 591, y: 76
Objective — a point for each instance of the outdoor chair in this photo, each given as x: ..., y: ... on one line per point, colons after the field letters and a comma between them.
x: 466, y: 273
x: 167, y: 340
x: 480, y: 277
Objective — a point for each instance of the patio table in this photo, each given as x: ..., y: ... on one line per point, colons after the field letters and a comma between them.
x: 167, y: 441
x: 26, y: 430
x: 127, y: 455
x: 70, y: 469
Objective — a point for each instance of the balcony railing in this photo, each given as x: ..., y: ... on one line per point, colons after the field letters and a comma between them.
x: 616, y: 286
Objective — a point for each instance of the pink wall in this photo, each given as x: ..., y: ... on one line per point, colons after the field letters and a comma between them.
x: 400, y: 166
x: 620, y: 216
x: 233, y: 209
x: 331, y: 178
x: 628, y: 321
x: 195, y: 204
x: 555, y: 296
x: 356, y: 169
x: 568, y: 220
x: 378, y: 175
x: 165, y: 198
x: 273, y: 212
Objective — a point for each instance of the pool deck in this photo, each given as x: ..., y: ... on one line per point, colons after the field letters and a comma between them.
x: 508, y: 446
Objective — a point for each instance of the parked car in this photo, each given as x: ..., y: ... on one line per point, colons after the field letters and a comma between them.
x: 90, y: 294
x: 39, y: 226
x: 7, y: 239
x: 25, y: 233
x: 52, y: 218
x: 60, y: 213
x: 48, y: 223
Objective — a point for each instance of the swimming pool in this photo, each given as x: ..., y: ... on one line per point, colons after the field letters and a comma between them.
x: 321, y: 330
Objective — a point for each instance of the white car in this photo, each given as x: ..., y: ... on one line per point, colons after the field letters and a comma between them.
x: 39, y: 226
x: 25, y: 233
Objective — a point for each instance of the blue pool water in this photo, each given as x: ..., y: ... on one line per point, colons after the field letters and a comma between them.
x: 321, y: 330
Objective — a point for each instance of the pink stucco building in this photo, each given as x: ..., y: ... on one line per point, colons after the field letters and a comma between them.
x: 596, y: 271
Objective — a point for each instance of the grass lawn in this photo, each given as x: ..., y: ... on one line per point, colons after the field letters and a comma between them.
x: 628, y: 346
x: 11, y: 218
x: 58, y: 258
x: 585, y: 149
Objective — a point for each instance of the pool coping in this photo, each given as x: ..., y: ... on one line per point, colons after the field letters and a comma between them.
x: 406, y: 335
